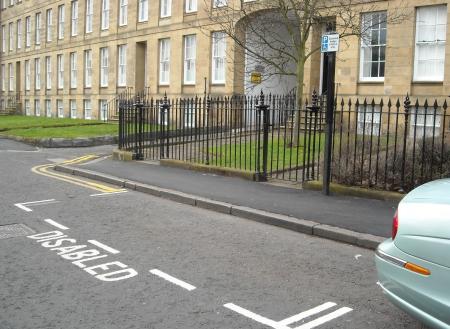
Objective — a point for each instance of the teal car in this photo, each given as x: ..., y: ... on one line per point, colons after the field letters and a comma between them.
x: 414, y: 265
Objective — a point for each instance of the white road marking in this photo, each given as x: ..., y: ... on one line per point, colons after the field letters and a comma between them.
x: 104, y: 246
x: 58, y: 225
x: 108, y: 193
x: 173, y: 280
x: 357, y: 256
x: 283, y: 324
x: 325, y: 318
x: 308, y: 313
x: 254, y: 316
x: 24, y: 205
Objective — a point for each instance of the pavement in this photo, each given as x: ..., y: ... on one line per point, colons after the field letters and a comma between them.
x: 359, y: 215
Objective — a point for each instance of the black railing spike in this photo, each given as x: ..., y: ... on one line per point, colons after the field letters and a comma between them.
x: 407, y: 103
x: 425, y: 105
x: 342, y: 101
x: 435, y: 105
x: 397, y: 104
x: 373, y: 102
x: 381, y: 103
x: 444, y: 106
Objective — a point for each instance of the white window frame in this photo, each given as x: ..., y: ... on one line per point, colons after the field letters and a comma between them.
x: 123, y: 12
x: 104, y: 66
x: 28, y: 31
x: 88, y: 68
x: 102, y: 107
x: 122, y: 66
x: 438, y: 44
x: 60, y: 108
x: 369, y: 123
x: 89, y: 15
x: 105, y: 15
x: 426, y: 122
x: 369, y: 48
x: 61, y: 21
x: 27, y: 75
x: 3, y: 82
x: 11, y: 36
x: 49, y: 17
x: 37, y: 74
x: 73, y: 109
x: 189, y: 67
x: 87, y: 109
x: 48, y: 108
x: 73, y: 70
x: 191, y: 6
x: 74, y: 18
x: 37, y: 107
x: 27, y: 107
x: 38, y: 28
x: 48, y: 72
x: 166, y: 8
x: 60, y: 69
x: 3, y: 38
x: 19, y: 34
x: 143, y: 11
x: 164, y: 61
x: 219, y: 46
x: 11, y: 77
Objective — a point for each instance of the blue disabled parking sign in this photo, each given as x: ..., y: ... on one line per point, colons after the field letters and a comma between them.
x: 330, y: 43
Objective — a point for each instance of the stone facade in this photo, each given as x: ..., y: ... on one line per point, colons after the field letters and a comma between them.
x: 142, y: 41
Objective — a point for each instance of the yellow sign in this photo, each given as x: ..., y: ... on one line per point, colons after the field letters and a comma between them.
x: 256, y: 78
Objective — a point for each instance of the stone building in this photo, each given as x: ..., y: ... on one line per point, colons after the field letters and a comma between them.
x: 68, y: 58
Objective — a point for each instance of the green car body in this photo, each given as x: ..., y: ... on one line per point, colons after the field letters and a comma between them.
x: 422, y: 239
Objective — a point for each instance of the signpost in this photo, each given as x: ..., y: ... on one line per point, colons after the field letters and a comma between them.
x: 330, y: 45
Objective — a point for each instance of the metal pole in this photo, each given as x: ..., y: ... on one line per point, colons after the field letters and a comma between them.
x: 329, y: 123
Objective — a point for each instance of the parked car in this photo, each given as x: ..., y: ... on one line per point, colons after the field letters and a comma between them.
x: 414, y: 265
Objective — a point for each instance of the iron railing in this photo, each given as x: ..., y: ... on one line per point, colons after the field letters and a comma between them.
x: 267, y: 135
x: 384, y: 144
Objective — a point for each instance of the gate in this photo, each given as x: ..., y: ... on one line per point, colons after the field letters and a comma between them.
x: 267, y: 135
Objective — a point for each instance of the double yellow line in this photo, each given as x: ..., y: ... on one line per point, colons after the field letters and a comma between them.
x: 45, y: 170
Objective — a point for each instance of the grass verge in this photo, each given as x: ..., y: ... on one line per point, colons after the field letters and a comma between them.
x: 65, y: 132
x: 13, y: 122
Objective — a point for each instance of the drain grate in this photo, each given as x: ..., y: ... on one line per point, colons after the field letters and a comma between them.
x: 14, y: 231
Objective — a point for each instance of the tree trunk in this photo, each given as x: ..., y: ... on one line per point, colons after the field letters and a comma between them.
x: 299, y: 102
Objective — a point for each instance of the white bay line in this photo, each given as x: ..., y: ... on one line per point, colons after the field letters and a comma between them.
x: 325, y: 318
x: 173, y: 280
x: 58, y: 225
x: 307, y: 313
x: 104, y: 246
x: 255, y: 317
x: 19, y: 205
x: 41, y: 201
x: 109, y: 193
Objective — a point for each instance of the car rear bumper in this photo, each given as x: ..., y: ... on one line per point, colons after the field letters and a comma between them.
x: 395, y: 282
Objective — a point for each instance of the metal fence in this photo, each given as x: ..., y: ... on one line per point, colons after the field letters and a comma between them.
x: 386, y: 145
x: 391, y: 145
x: 256, y: 134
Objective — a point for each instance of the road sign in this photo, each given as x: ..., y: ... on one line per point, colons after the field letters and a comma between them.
x: 330, y: 43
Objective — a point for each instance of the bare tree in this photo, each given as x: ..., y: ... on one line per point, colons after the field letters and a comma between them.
x: 277, y: 33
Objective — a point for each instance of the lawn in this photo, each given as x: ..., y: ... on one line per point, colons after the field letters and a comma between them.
x: 22, y: 122
x: 280, y: 156
x: 66, y: 132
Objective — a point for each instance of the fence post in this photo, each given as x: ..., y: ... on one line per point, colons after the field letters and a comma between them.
x: 208, y: 108
x: 407, y: 105
x: 138, y: 125
x: 314, y: 108
x: 121, y: 124
x: 264, y: 110
x: 164, y: 110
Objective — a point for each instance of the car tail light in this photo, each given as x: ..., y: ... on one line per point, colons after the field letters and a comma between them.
x: 395, y: 225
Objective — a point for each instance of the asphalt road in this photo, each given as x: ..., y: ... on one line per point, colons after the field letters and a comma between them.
x: 152, y: 263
